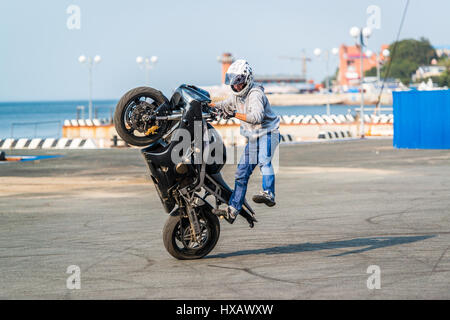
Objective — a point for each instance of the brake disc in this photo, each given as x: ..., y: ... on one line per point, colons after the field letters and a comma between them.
x: 139, y: 115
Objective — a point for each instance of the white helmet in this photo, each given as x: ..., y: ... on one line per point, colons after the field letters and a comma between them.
x: 239, y: 72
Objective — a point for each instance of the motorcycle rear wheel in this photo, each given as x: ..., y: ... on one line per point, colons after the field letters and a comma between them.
x: 176, y: 236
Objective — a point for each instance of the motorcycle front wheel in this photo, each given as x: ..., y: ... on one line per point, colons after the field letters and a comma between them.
x: 179, y: 242
x: 128, y: 116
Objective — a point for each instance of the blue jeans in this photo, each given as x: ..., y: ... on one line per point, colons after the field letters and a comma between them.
x: 257, y: 152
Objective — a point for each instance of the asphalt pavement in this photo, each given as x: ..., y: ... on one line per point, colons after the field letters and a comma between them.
x: 346, y: 212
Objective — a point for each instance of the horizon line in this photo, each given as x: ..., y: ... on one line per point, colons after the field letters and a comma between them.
x: 61, y: 100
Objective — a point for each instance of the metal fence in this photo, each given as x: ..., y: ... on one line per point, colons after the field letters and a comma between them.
x: 41, y: 129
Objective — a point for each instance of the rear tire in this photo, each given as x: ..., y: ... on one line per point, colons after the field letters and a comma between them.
x: 121, y: 108
x: 171, y: 235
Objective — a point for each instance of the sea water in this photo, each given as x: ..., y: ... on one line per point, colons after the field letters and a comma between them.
x: 44, y: 119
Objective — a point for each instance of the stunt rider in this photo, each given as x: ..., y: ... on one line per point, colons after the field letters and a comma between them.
x: 259, y: 125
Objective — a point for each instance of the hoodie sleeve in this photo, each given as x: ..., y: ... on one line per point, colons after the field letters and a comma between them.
x: 255, y: 109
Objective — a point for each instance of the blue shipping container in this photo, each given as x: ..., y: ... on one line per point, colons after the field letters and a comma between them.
x: 422, y: 119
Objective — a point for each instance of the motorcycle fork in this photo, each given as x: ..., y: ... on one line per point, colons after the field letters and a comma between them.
x: 192, y: 215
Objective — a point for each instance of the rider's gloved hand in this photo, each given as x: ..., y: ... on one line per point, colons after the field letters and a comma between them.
x: 214, y: 112
x: 228, y: 114
x: 221, y: 113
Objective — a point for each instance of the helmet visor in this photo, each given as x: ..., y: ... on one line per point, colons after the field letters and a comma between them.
x: 234, y: 79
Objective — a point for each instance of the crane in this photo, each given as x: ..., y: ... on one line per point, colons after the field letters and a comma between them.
x: 303, y: 58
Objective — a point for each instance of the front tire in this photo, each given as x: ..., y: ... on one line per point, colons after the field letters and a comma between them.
x: 123, y: 109
x: 176, y: 235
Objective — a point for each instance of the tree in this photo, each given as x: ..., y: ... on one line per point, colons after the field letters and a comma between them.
x: 409, y: 55
x: 444, y: 79
x: 372, y: 72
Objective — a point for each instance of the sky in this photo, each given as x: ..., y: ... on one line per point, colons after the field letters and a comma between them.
x: 39, y: 53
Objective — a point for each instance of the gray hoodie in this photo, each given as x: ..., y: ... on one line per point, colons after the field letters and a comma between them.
x: 256, y: 107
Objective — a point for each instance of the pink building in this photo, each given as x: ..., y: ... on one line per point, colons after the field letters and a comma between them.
x: 350, y: 65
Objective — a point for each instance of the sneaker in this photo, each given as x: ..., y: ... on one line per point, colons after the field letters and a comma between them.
x: 231, y: 214
x: 228, y: 214
x: 264, y: 197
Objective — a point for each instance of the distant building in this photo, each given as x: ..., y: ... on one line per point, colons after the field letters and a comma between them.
x: 424, y: 72
x: 226, y: 59
x: 279, y: 78
x: 301, y: 87
x: 350, y: 65
x: 442, y: 51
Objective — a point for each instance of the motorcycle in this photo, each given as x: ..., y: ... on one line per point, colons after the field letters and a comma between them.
x: 185, y: 169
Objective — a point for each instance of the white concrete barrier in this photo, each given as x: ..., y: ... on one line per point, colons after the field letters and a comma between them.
x: 289, y: 119
x: 335, y: 119
x: 298, y: 119
x: 306, y: 119
x: 342, y: 118
x: 89, y: 144
x: 319, y: 119
x: 21, y: 143
x: 384, y: 119
x: 6, y: 143
x: 334, y: 135
x: 322, y: 135
x: 34, y: 144
x: 327, y: 119
x: 286, y: 119
x: 61, y: 144
x: 48, y: 143
x: 350, y: 118
x: 375, y: 119
x: 74, y: 144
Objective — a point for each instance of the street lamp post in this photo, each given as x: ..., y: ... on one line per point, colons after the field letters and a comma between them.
x: 326, y: 55
x: 385, y: 53
x: 90, y: 63
x: 361, y: 34
x: 146, y: 64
